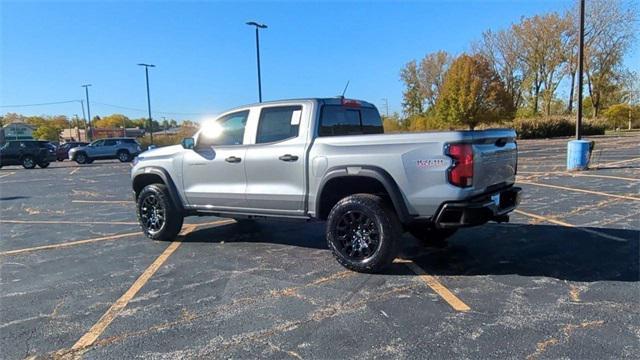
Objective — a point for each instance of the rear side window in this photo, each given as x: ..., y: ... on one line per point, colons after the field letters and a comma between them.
x: 339, y: 120
x: 278, y: 123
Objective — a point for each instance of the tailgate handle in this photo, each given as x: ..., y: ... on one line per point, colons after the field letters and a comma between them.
x: 501, y: 142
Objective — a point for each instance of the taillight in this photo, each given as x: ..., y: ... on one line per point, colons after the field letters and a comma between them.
x: 461, y: 172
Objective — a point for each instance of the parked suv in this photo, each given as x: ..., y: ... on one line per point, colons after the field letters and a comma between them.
x: 62, y: 152
x: 329, y: 160
x: 123, y: 149
x: 27, y: 153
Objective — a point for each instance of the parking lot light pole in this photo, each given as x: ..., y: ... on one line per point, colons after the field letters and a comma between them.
x: 258, y: 27
x: 146, y: 72
x: 580, y: 71
x: 579, y: 150
x: 90, y: 129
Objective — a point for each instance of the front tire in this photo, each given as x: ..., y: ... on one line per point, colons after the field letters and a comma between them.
x: 28, y: 162
x: 362, y: 233
x: 44, y: 165
x: 159, y: 217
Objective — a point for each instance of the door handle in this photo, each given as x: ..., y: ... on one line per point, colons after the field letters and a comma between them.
x: 233, y: 159
x: 288, y: 157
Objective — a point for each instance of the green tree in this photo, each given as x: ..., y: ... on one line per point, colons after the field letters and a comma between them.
x: 112, y: 121
x: 47, y: 132
x: 472, y: 93
x: 413, y: 95
x: 610, y: 32
x: 622, y: 115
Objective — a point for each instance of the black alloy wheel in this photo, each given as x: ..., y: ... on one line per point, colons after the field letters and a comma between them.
x: 358, y: 235
x: 152, y: 214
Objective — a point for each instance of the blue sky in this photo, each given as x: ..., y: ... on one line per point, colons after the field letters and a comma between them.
x: 205, y: 54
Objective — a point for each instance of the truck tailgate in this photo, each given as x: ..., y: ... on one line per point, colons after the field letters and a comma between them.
x: 495, y: 158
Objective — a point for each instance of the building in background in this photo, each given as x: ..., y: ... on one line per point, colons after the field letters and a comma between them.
x: 16, y: 131
x: 75, y: 134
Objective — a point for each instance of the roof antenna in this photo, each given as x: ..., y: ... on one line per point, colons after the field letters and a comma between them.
x: 345, y: 89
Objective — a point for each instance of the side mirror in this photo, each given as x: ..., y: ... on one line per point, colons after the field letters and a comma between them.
x: 188, y: 143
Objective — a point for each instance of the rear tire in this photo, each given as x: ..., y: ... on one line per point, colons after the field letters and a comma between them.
x: 363, y: 233
x: 124, y: 156
x: 28, y: 162
x: 82, y: 158
x: 430, y: 236
x: 44, y: 165
x: 159, y: 217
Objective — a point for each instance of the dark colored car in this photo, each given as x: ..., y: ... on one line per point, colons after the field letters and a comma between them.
x: 27, y: 153
x: 62, y: 152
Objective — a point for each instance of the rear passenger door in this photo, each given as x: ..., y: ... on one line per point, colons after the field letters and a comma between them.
x: 275, y: 162
x: 108, y: 149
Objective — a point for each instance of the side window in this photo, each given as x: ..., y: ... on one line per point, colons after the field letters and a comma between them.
x: 109, y: 143
x: 98, y: 143
x: 371, y: 121
x: 228, y: 130
x: 339, y: 120
x: 278, y: 123
x: 336, y: 120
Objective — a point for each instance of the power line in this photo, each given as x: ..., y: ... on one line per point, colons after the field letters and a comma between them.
x: 104, y: 104
x: 142, y: 110
x: 41, y: 104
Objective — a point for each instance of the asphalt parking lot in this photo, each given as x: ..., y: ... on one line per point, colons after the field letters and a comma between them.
x: 561, y: 280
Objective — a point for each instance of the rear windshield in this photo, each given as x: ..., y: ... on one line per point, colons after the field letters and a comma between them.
x: 338, y: 120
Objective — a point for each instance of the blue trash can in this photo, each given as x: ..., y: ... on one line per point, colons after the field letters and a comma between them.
x: 578, y: 155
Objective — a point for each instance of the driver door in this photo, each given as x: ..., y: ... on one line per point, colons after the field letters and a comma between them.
x: 214, y: 174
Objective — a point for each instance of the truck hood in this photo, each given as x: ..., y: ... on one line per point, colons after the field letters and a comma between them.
x: 161, y: 152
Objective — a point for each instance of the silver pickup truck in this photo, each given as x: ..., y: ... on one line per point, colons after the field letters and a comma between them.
x: 329, y: 160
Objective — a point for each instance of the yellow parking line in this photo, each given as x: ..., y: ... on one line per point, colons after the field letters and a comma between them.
x: 617, y: 162
x: 74, y: 171
x: 550, y: 173
x: 67, y: 222
x: 103, y: 201
x: 96, y: 330
x: 67, y: 244
x: 7, y: 174
x: 581, y: 190
x: 436, y: 285
x: 562, y: 223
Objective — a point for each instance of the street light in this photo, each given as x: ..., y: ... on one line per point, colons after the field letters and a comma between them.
x: 146, y: 72
x: 258, y: 27
x: 86, y: 90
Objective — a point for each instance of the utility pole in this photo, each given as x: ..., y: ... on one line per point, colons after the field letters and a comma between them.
x: 89, y: 129
x: 146, y: 72
x: 580, y: 71
x: 258, y: 27
x: 386, y: 105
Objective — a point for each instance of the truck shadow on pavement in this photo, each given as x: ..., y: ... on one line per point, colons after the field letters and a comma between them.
x: 493, y: 249
x: 534, y: 250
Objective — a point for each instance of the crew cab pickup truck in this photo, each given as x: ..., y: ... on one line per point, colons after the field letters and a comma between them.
x: 329, y: 160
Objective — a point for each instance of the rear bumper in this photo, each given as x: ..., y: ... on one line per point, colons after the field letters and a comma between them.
x: 478, y: 210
